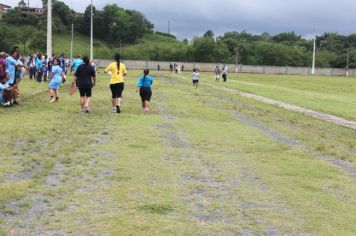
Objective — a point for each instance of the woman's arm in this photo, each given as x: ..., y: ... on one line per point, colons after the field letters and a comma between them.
x: 94, y: 80
x: 50, y: 76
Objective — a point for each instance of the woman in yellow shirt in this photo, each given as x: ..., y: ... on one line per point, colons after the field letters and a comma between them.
x: 118, y: 71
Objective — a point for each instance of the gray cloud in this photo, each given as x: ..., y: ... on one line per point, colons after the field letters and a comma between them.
x: 191, y: 18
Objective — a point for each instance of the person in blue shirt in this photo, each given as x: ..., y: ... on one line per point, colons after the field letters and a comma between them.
x: 39, y: 67
x: 76, y: 63
x: 55, y: 78
x: 6, y: 92
x: 144, y: 85
x: 11, y: 64
x: 63, y: 63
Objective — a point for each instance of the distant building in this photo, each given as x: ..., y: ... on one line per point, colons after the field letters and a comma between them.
x: 78, y: 14
x: 32, y: 10
x: 3, y: 9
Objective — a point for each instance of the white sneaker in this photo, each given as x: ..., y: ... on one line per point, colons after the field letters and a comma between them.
x: 52, y: 100
x: 114, y: 110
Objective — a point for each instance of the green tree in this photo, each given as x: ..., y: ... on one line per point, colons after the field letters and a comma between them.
x: 38, y: 42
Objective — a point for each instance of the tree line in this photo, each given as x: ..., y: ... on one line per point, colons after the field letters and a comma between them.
x: 118, y: 26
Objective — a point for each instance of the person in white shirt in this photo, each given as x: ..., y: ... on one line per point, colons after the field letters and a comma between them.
x: 224, y: 72
x: 217, y: 73
x: 196, y: 78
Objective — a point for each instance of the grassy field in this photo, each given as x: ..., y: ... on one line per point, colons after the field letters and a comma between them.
x: 202, y: 162
x: 332, y: 95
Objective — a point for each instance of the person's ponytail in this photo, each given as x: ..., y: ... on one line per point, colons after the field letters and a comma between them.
x: 117, y: 59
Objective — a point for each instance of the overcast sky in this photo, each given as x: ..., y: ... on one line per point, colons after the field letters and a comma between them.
x: 189, y: 18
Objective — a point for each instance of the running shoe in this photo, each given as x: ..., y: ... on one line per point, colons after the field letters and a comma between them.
x: 118, y: 109
x: 114, y: 110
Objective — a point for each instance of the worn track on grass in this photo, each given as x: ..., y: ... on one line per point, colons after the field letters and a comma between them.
x: 217, y: 202
x: 319, y: 115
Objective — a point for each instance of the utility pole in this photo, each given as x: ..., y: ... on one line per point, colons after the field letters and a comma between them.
x: 347, y: 62
x: 237, y: 57
x: 120, y: 48
x: 49, y: 28
x: 314, y: 52
x: 72, y: 40
x: 28, y: 7
x: 91, y: 30
x: 169, y: 27
x: 71, y: 44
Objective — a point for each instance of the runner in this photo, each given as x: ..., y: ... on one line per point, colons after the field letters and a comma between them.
x: 118, y: 71
x: 144, y: 85
x: 85, y: 80
x: 55, y: 78
x: 196, y: 78
x: 217, y: 73
x: 224, y: 72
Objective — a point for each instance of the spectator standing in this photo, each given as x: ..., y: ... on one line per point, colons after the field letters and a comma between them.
x: 217, y: 73
x: 224, y: 72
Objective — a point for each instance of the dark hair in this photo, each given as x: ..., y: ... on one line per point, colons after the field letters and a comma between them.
x: 56, y: 60
x: 86, y: 60
x: 117, y: 59
x: 146, y: 71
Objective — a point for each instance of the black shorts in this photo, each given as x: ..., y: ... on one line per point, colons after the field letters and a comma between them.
x: 195, y: 81
x: 85, y: 92
x: 117, y: 89
x: 146, y: 94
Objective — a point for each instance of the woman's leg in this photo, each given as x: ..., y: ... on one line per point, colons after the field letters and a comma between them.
x: 53, y: 95
x: 87, y: 102
x: 82, y: 102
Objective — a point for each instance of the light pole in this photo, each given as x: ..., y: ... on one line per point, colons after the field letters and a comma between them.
x: 71, y: 44
x: 314, y: 52
x: 91, y: 30
x: 49, y: 28
x: 237, y: 57
x: 347, y: 62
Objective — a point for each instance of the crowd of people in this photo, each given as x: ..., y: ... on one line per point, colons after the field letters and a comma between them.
x: 54, y: 70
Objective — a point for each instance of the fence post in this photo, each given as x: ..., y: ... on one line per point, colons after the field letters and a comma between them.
x: 264, y: 69
x: 241, y: 68
x: 286, y: 70
x: 309, y: 71
x: 332, y: 72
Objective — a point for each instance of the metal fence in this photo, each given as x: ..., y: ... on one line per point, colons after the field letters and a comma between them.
x: 210, y: 67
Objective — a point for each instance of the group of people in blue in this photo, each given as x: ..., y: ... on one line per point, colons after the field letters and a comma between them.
x: 54, y: 71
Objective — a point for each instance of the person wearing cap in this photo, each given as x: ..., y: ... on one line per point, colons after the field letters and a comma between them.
x: 144, y: 85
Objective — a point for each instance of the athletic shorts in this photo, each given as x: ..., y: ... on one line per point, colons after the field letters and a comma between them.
x: 85, y: 92
x: 117, y: 89
x: 146, y: 94
x: 195, y: 81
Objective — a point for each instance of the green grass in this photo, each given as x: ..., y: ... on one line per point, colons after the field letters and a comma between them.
x: 61, y: 44
x: 189, y: 167
x: 333, y: 95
